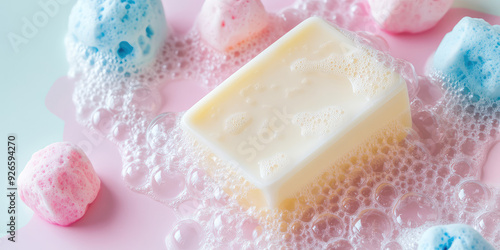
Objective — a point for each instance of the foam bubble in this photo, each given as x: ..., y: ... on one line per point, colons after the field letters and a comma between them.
x: 169, y: 166
x: 319, y: 123
x: 236, y: 123
x: 413, y: 210
x: 187, y: 235
x: 167, y: 185
x: 102, y: 119
x: 328, y: 226
x: 489, y: 223
x: 473, y: 195
x: 269, y: 167
x: 159, y: 132
x: 135, y: 174
x: 367, y: 76
x: 393, y: 246
x: 340, y: 245
x: 371, y: 227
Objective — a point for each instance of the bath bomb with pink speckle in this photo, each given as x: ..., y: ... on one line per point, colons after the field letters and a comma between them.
x: 225, y: 23
x: 59, y: 183
x: 411, y: 16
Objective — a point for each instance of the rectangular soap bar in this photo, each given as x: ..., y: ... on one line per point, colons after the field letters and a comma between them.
x: 297, y: 108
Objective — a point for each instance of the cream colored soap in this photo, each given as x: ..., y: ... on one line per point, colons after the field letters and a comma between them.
x: 297, y: 108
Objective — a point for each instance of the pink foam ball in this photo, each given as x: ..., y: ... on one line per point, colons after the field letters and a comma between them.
x: 411, y: 16
x: 225, y: 23
x: 59, y: 183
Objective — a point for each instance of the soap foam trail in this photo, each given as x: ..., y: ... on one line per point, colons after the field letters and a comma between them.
x: 362, y: 203
x: 366, y: 75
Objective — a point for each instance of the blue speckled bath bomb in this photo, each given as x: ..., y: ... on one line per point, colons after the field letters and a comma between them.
x: 470, y: 57
x: 130, y: 31
x: 453, y: 237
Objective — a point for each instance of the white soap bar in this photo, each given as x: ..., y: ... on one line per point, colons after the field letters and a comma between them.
x: 294, y: 110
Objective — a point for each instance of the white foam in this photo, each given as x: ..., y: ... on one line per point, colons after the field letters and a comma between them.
x: 367, y: 76
x: 319, y: 123
x: 418, y: 164
x: 269, y: 167
x: 236, y: 123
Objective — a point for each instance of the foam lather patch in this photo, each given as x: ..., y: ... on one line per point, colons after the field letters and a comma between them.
x: 455, y: 236
x: 59, y: 183
x: 125, y: 32
x: 469, y: 56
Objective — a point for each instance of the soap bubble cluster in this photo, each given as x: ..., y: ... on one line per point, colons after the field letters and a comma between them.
x: 384, y: 194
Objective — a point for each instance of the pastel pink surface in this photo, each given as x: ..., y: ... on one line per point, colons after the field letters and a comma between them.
x: 122, y: 219
x: 408, y: 15
x: 58, y: 183
x: 491, y: 168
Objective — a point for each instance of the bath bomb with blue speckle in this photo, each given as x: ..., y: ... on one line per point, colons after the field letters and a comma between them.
x: 127, y: 32
x: 455, y: 236
x: 469, y: 56
x: 224, y: 24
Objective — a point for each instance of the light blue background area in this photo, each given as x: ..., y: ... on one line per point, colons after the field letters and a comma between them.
x: 25, y: 79
x: 27, y: 75
x: 487, y: 6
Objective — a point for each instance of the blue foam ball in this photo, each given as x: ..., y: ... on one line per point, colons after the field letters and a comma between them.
x: 455, y: 236
x: 469, y: 56
x: 129, y: 31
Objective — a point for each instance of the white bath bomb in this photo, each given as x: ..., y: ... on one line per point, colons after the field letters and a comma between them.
x: 411, y: 16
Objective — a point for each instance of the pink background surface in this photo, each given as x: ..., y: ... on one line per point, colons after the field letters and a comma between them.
x: 122, y: 219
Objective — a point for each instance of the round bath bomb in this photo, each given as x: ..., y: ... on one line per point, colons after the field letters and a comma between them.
x: 225, y: 23
x: 454, y: 236
x: 124, y: 32
x: 411, y: 16
x: 59, y: 183
x: 469, y: 57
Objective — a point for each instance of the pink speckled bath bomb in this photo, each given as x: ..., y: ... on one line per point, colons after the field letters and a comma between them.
x: 411, y: 16
x: 59, y: 183
x: 225, y: 23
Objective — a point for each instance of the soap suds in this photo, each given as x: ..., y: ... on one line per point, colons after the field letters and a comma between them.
x: 319, y: 123
x: 433, y: 161
x: 269, y: 167
x: 236, y: 123
x: 367, y: 76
